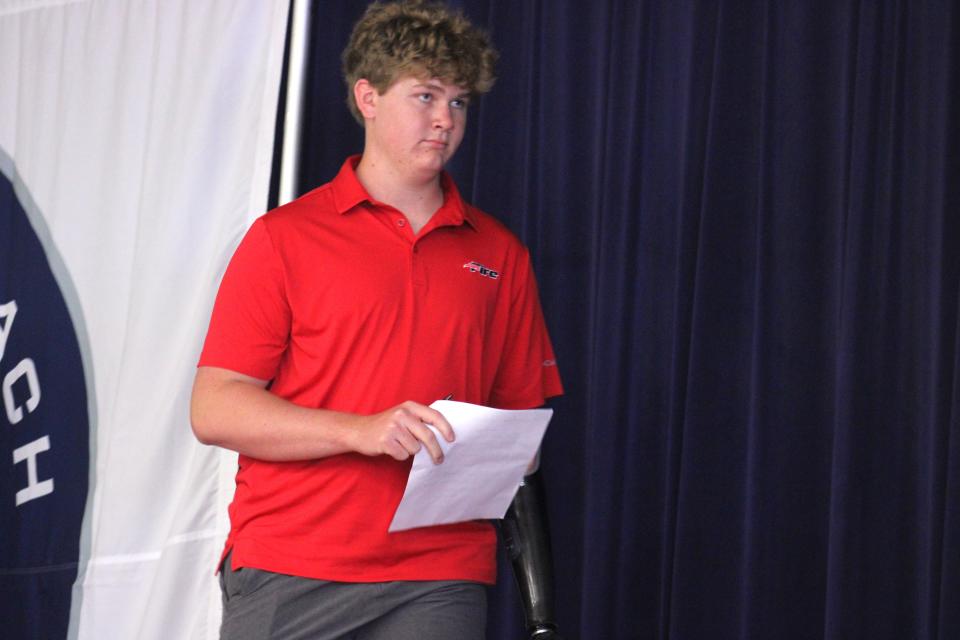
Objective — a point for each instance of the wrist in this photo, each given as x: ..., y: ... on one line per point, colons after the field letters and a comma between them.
x: 346, y: 431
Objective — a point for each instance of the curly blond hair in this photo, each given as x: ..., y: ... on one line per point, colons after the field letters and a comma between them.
x: 419, y: 38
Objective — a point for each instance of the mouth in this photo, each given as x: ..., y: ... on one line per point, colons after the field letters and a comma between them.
x: 435, y: 144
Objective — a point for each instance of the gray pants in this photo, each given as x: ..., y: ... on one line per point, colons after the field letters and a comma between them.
x: 260, y: 605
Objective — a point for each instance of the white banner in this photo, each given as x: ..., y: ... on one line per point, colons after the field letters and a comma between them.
x: 135, y: 146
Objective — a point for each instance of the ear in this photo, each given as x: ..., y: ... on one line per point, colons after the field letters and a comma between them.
x: 365, y: 96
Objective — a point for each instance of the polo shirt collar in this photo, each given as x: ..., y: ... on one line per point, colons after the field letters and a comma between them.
x: 348, y: 193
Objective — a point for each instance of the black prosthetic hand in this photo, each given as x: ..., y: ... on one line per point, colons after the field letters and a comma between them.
x: 527, y: 540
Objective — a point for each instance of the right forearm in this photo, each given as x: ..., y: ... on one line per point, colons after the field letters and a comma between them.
x: 247, y: 418
x: 235, y: 411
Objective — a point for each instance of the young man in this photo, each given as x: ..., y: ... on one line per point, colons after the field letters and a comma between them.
x: 341, y: 316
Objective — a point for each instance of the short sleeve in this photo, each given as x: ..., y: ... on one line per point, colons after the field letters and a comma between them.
x: 250, y: 325
x: 528, y: 373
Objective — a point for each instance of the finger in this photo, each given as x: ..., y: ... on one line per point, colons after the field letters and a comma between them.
x: 436, y: 419
x: 430, y: 416
x: 407, y: 440
x: 395, y: 450
x: 396, y: 440
x: 425, y: 435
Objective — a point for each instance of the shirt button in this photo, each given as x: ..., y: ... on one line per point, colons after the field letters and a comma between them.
x: 401, y: 222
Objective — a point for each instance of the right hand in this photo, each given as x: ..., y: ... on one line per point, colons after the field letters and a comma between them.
x: 399, y: 432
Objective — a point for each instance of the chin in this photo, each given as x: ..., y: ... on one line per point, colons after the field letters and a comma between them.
x: 432, y: 165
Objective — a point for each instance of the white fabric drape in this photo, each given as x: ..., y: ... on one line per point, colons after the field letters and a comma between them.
x: 144, y: 132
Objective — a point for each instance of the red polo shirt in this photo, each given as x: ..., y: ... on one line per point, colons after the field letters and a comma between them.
x: 335, y: 300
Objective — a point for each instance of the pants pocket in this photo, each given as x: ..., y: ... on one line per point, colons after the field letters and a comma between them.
x: 238, y: 583
x: 231, y: 581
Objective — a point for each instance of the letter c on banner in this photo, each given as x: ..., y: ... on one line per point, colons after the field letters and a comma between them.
x: 24, y: 368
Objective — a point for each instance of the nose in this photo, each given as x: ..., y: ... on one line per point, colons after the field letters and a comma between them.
x: 442, y: 117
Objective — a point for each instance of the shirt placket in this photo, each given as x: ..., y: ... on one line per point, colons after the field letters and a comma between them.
x: 400, y: 227
x: 418, y: 271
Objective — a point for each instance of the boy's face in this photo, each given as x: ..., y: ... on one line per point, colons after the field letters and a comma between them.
x: 417, y: 124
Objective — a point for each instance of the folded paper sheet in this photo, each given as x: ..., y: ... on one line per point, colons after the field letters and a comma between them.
x: 482, y: 468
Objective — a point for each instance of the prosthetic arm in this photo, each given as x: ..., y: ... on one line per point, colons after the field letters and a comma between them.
x: 527, y: 540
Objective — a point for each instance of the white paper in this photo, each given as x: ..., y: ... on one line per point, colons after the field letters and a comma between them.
x: 481, y: 471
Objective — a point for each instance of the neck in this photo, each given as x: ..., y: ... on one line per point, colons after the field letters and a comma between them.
x: 417, y: 198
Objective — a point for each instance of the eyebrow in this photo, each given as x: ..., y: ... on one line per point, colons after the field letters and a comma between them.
x: 439, y: 88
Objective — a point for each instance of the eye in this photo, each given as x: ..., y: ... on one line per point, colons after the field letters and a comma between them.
x: 458, y: 103
x: 425, y: 97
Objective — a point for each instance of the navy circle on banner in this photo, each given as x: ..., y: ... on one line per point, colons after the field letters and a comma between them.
x: 45, y: 435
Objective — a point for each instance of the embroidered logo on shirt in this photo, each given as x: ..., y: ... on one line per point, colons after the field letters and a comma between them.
x: 476, y: 267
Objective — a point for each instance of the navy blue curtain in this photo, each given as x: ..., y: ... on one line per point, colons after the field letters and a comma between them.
x: 744, y: 221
